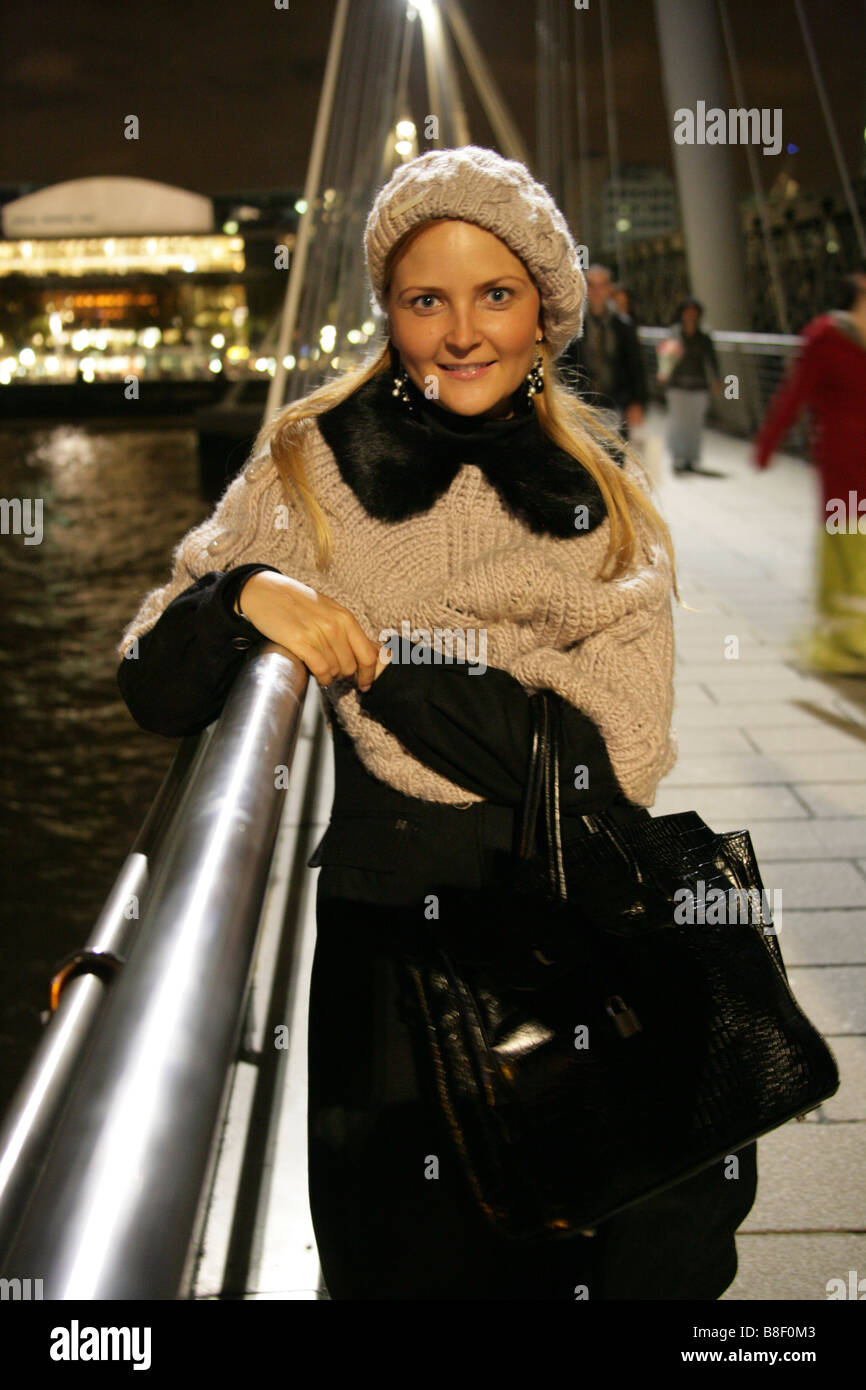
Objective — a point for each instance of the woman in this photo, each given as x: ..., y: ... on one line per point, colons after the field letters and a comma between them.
x: 829, y: 377
x: 450, y: 485
x: 695, y: 367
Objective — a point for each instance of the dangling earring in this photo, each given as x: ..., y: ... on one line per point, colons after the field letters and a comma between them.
x: 400, y: 390
x: 401, y: 379
x: 535, y: 377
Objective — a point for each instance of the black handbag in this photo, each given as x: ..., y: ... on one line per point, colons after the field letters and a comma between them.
x: 587, y: 1044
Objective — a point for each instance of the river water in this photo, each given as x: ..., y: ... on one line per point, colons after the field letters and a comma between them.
x: 77, y: 773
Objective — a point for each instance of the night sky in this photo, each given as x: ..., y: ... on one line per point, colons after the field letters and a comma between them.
x: 226, y: 92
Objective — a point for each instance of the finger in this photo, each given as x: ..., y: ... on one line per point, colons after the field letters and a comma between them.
x: 317, y: 655
x: 380, y: 664
x: 366, y: 656
x: 338, y: 636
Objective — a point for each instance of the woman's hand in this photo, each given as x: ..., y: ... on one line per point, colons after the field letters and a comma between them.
x: 322, y: 634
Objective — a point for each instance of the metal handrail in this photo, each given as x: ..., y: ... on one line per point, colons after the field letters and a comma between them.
x: 754, y: 342
x: 115, y: 1202
x: 30, y: 1120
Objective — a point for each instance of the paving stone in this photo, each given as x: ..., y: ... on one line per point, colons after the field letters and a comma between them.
x: 833, y: 997
x: 722, y: 671
x: 776, y: 713
x: 793, y: 1267
x: 833, y: 798
x: 688, y: 695
x: 810, y: 1177
x: 849, y: 1102
x: 815, y: 882
x: 699, y: 742
x: 739, y: 691
x: 807, y: 839
x: 725, y: 770
x: 820, y: 738
x: 730, y: 808
x: 823, y: 936
x: 754, y: 768
x: 752, y: 653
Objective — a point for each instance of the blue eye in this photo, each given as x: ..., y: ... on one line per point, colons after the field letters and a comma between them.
x: 500, y: 289
x: 422, y: 296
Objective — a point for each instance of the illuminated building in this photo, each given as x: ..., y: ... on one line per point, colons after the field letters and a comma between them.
x: 103, y: 277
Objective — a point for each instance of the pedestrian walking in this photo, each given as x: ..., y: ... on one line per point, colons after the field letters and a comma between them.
x: 689, y: 370
x: 604, y: 363
x: 829, y: 377
x: 451, y: 486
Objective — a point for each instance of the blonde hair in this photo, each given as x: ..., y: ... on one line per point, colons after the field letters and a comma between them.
x: 578, y: 428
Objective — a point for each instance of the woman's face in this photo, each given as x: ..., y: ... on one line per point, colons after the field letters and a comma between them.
x: 464, y: 316
x: 690, y: 318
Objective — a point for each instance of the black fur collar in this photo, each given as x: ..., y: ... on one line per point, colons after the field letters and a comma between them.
x: 399, y: 462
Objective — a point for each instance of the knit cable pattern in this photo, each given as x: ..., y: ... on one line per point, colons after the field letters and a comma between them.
x: 467, y: 563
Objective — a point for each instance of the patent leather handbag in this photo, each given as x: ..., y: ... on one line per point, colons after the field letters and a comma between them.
x: 611, y: 1018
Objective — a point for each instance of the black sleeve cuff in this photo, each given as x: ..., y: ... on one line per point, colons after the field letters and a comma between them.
x: 177, y: 681
x: 223, y: 597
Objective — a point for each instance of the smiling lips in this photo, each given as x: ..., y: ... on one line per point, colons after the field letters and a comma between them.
x: 467, y: 371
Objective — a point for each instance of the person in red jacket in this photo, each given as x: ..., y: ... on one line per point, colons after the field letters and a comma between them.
x: 829, y: 377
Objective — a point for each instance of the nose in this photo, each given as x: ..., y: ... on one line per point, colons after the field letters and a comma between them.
x: 462, y: 333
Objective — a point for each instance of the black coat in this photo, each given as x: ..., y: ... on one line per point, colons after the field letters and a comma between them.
x: 629, y: 378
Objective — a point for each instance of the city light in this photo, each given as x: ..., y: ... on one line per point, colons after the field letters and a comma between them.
x: 328, y: 337
x: 301, y: 206
x: 218, y: 340
x: 230, y: 228
x: 89, y: 255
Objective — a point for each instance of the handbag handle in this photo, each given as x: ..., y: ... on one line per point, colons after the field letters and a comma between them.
x: 542, y: 791
x: 534, y: 781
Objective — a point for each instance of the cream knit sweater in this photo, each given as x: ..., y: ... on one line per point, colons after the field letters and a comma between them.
x: 467, y: 562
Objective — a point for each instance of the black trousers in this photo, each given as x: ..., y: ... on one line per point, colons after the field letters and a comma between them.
x: 392, y: 1216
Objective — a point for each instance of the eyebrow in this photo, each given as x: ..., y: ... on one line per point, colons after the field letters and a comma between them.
x: 437, y: 289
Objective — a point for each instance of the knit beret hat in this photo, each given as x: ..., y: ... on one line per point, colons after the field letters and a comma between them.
x: 477, y: 185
